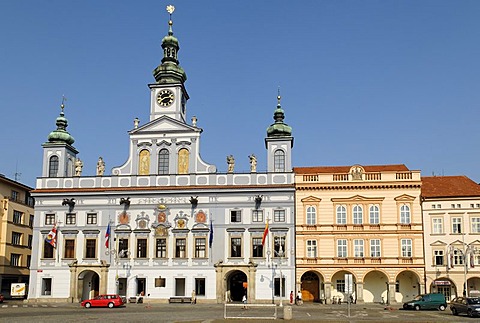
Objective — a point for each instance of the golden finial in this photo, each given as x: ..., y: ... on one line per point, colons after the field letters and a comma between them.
x: 170, y: 10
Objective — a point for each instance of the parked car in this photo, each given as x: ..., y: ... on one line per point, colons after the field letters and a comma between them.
x: 1, y: 298
x: 427, y: 302
x: 468, y: 305
x: 104, y: 301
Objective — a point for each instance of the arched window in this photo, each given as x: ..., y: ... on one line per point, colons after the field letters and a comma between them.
x: 144, y: 162
x: 405, y: 214
x: 374, y: 214
x: 357, y: 214
x: 311, y: 215
x: 163, y: 159
x: 183, y: 161
x: 279, y: 161
x: 53, y: 166
x: 341, y: 214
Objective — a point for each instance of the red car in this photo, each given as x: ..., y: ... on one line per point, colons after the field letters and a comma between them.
x: 109, y: 301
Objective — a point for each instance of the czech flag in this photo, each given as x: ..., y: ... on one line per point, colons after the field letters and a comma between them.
x: 52, y: 236
x: 107, y: 236
x: 265, y: 233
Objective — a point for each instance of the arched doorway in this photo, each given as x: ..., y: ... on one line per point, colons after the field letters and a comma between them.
x: 375, y: 287
x: 312, y: 289
x: 407, y: 286
x: 237, y: 285
x: 445, y: 286
x: 473, y: 286
x: 89, y: 283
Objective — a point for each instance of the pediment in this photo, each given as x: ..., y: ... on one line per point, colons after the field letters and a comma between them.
x: 311, y: 199
x: 357, y: 198
x: 405, y: 197
x: 164, y: 124
x: 438, y: 243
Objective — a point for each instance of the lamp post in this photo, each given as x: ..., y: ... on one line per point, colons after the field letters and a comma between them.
x: 117, y: 256
x: 280, y: 253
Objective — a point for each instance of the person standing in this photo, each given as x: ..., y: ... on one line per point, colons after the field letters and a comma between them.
x: 244, y: 301
x: 291, y: 297
x: 194, y: 297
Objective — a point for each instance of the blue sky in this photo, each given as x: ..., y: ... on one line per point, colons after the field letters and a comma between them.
x: 362, y: 82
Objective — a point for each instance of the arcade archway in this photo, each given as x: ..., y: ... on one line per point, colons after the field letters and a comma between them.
x: 312, y: 287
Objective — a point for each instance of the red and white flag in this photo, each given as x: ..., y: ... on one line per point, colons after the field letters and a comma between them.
x: 265, y: 234
x: 52, y: 236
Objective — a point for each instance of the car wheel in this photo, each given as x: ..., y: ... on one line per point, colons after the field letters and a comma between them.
x: 417, y: 307
x: 442, y: 307
x: 110, y: 305
x: 88, y: 305
x: 454, y: 311
x: 470, y: 313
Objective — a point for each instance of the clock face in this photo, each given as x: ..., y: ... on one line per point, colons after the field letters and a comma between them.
x: 165, y: 98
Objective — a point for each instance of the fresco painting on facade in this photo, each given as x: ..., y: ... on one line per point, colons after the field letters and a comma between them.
x: 160, y: 206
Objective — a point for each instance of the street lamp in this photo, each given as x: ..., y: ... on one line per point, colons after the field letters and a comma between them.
x: 280, y: 253
x: 117, y: 255
x: 464, y: 252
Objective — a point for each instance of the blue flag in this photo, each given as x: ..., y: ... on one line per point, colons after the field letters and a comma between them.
x: 210, y: 240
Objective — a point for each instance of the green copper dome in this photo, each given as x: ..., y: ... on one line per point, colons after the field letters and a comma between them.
x: 169, y: 71
x: 279, y: 128
x: 61, y: 135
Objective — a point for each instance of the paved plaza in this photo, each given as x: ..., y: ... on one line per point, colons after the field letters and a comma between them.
x: 61, y: 312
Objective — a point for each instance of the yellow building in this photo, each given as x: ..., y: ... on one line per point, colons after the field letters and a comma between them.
x: 359, y: 224
x: 16, y: 223
x: 451, y: 210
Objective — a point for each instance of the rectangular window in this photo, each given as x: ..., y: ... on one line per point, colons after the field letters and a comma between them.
x: 342, y: 248
x: 29, y: 261
x: 257, y: 216
x: 312, y: 248
x: 161, y: 248
x: 200, y: 286
x: 475, y: 225
x: 279, y: 215
x: 17, y: 217
x: 16, y: 238
x: 123, y: 248
x: 438, y: 258
x: 375, y: 251
x: 406, y: 248
x: 30, y: 222
x: 235, y: 247
x: 457, y: 257
x: 181, y: 248
x: 91, y: 218
x: 456, y: 225
x: 279, y: 246
x: 30, y: 201
x: 15, y: 260
x: 257, y: 251
x: 437, y: 225
x: 70, y: 219
x: 49, y: 219
x: 47, y: 250
x: 341, y: 285
x: 141, y: 248
x: 358, y: 248
x: 46, y: 286
x: 235, y: 216
x: 69, y: 249
x: 277, y: 287
x: 200, y: 248
x: 15, y: 196
x: 91, y: 248
x: 30, y: 241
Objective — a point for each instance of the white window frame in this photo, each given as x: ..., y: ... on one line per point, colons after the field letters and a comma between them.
x: 406, y: 248
x: 457, y: 225
x: 311, y: 248
x: 342, y: 250
x: 375, y: 248
x: 311, y: 215
x: 358, y: 248
x: 405, y: 214
x: 341, y: 214
x: 357, y: 214
x: 374, y: 214
x: 437, y: 225
x: 475, y: 224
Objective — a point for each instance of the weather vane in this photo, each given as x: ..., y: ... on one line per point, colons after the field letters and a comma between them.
x: 170, y: 9
x: 63, y: 102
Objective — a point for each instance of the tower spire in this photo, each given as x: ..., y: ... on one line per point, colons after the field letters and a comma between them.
x: 169, y: 71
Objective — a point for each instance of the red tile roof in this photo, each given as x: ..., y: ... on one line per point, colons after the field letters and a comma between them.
x: 449, y: 186
x: 346, y: 169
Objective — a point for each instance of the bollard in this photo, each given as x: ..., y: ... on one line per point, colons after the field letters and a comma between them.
x: 287, y: 313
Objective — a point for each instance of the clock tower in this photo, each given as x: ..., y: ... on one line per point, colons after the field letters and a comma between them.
x: 168, y: 95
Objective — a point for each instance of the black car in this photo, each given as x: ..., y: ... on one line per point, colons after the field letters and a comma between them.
x: 468, y: 305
